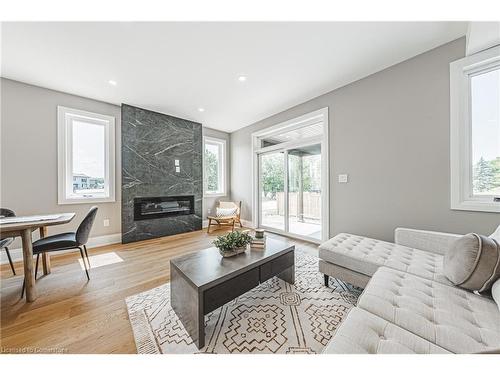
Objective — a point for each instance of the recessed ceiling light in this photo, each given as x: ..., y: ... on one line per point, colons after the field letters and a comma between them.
x: 242, y: 78
x: 201, y: 109
x: 112, y: 83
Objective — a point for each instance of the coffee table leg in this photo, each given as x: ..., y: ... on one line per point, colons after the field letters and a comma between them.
x: 187, y: 303
x: 288, y: 275
x: 201, y: 323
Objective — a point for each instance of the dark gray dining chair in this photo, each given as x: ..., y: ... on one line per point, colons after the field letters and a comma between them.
x: 66, y: 241
x: 5, y: 243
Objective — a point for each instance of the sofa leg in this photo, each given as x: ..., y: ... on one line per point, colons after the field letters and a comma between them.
x: 327, y: 279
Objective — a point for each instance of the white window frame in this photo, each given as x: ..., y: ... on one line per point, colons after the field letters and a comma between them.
x: 65, y: 117
x: 461, y: 71
x: 221, y: 143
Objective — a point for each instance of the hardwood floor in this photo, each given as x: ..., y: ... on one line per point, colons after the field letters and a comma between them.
x: 73, y: 315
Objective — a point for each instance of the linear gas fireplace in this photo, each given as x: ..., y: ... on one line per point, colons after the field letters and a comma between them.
x: 158, y: 207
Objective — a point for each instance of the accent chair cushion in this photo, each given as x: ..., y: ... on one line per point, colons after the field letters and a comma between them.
x: 473, y: 262
x: 226, y: 212
x: 56, y: 242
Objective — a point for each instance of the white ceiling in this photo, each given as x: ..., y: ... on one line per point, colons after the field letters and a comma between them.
x: 176, y: 68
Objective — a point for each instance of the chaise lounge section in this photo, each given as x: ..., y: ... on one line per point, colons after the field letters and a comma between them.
x: 408, y: 305
x: 355, y: 258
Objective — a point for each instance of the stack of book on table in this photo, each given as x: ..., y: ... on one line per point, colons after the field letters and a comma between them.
x: 258, y: 243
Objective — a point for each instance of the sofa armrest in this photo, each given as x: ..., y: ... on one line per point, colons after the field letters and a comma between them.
x: 436, y: 242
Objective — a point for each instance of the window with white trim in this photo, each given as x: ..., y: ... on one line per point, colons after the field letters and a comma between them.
x: 86, y: 156
x: 214, y: 163
x: 475, y: 132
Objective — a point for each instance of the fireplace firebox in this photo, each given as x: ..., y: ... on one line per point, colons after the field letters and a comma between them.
x: 158, y: 207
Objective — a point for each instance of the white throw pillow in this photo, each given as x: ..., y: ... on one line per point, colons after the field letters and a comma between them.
x: 495, y: 292
x: 223, y: 212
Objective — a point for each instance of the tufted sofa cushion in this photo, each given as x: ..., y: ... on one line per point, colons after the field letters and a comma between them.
x: 365, y: 333
x: 450, y: 317
x: 366, y: 255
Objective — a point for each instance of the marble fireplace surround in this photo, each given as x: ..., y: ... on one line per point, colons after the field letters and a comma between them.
x: 151, y: 144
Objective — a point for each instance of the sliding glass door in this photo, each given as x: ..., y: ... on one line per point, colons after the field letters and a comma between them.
x: 290, y: 191
x: 304, y: 191
x: 290, y: 177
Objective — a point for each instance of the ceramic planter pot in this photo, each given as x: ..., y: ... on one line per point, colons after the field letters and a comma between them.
x: 233, y: 252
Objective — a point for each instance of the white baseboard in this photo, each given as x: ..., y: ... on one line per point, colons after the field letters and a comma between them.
x: 246, y: 223
x: 109, y: 239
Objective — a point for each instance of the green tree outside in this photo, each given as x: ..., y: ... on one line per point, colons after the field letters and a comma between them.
x: 495, y: 165
x: 212, y: 171
x: 273, y: 174
x: 486, y: 175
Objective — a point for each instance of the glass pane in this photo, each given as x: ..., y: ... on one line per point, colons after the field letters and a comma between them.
x: 88, y: 158
x: 304, y: 187
x: 212, y: 167
x: 485, y: 117
x: 272, y: 194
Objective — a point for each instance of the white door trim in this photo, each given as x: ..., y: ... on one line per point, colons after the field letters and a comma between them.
x: 320, y: 115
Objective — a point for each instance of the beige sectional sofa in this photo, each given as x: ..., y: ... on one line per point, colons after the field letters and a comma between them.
x: 408, y: 305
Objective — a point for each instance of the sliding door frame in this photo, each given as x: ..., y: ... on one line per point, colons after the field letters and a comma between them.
x: 320, y: 115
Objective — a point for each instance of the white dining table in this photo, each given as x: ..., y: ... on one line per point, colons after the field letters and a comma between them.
x: 23, y: 226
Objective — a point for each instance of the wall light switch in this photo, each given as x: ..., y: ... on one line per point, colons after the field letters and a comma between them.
x: 106, y: 222
x: 343, y: 178
x: 177, y: 169
x: 177, y: 162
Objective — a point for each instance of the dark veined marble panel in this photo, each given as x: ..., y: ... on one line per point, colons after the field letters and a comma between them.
x: 151, y: 142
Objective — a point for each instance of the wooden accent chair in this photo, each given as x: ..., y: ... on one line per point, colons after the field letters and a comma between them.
x: 226, y: 220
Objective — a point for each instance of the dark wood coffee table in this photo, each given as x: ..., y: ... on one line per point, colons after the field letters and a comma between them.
x: 204, y: 281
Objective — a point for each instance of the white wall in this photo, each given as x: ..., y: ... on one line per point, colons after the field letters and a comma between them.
x: 482, y: 35
x: 390, y: 133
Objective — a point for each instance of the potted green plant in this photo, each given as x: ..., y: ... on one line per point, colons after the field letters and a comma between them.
x: 232, y: 243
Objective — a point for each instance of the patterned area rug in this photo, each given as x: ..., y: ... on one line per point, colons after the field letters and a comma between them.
x: 274, y: 317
